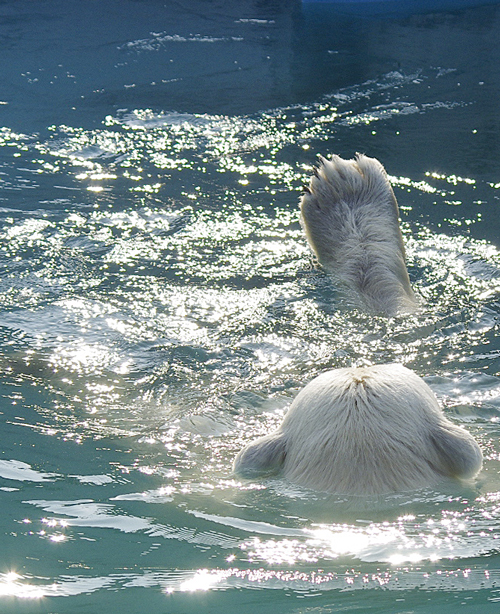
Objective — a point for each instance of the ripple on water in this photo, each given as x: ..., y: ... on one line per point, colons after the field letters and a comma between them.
x: 164, y: 297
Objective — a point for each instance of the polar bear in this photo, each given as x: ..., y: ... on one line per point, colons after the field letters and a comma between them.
x: 351, y: 220
x: 364, y: 431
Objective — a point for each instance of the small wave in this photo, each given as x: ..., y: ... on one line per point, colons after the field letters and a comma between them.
x: 158, y: 40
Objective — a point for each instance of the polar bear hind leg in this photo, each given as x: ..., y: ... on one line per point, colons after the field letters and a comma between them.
x: 351, y: 220
x: 265, y: 456
x: 459, y: 455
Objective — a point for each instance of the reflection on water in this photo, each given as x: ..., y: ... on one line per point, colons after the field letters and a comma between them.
x: 159, y: 306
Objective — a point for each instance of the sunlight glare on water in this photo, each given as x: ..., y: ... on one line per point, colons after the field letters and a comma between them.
x: 160, y: 308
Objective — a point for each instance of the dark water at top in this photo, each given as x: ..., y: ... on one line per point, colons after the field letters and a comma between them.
x: 159, y: 307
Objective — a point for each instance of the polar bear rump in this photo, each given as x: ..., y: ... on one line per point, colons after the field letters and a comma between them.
x: 362, y: 431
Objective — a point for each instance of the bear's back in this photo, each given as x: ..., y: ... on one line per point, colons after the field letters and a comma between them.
x: 364, y: 431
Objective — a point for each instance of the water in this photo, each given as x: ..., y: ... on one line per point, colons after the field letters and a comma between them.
x: 160, y: 308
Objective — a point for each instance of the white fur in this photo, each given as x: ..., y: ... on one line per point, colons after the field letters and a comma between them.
x: 362, y: 431
x: 351, y: 219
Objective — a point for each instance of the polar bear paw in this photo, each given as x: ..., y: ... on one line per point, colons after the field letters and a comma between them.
x: 351, y: 220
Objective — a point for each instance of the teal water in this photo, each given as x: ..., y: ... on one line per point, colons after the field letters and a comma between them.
x: 160, y: 307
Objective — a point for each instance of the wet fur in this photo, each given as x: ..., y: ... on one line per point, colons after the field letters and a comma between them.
x: 351, y: 220
x: 364, y: 431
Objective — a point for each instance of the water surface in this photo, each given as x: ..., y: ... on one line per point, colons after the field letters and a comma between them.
x: 160, y: 307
